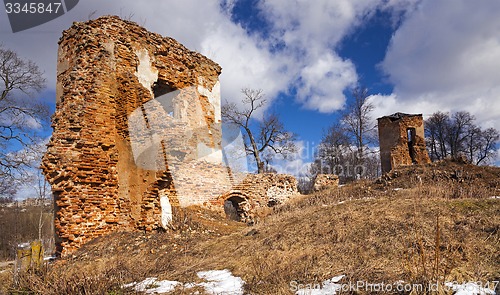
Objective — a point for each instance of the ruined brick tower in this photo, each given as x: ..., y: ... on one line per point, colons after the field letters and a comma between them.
x: 402, y: 141
x: 132, y: 108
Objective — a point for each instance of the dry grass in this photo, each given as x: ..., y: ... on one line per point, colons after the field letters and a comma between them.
x: 368, y: 232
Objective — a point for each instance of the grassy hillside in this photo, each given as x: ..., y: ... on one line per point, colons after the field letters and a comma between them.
x: 420, y: 225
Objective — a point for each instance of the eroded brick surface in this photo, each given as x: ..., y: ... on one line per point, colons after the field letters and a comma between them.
x: 402, y: 141
x: 118, y: 135
x: 256, y: 191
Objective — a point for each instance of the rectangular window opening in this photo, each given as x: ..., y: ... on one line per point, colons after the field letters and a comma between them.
x: 411, y: 134
x: 165, y: 94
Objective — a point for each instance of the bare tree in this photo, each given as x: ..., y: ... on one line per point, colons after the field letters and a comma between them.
x: 42, y: 187
x: 43, y: 192
x: 436, y: 127
x: 472, y: 140
x: 7, y: 189
x: 461, y: 124
x: 20, y: 114
x: 457, y: 135
x: 486, y: 146
x: 6, y: 199
x: 344, y: 147
x: 270, y: 135
x: 338, y: 155
x: 334, y: 147
x: 357, y: 120
x: 32, y: 220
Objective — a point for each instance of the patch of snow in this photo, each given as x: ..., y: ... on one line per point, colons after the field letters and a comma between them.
x: 152, y: 285
x: 49, y: 258
x: 148, y: 283
x: 142, y: 285
x: 190, y: 285
x: 495, y: 197
x: 221, y: 282
x: 469, y: 289
x: 328, y: 287
x: 163, y: 287
x: 23, y: 245
x: 397, y: 189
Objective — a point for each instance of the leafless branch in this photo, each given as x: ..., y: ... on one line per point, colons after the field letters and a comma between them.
x: 270, y: 134
x: 20, y: 114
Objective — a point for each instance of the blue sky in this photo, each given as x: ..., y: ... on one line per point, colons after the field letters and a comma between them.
x: 370, y: 37
x: 415, y: 56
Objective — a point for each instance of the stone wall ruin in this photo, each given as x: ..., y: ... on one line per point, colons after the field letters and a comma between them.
x: 136, y: 114
x: 137, y: 132
x: 324, y: 181
x: 256, y: 191
x: 402, y: 141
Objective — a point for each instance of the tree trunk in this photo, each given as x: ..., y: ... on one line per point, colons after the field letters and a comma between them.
x: 255, y: 152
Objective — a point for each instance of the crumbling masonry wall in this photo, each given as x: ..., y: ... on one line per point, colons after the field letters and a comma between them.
x: 324, y: 181
x: 133, y: 109
x: 256, y: 191
x: 402, y: 141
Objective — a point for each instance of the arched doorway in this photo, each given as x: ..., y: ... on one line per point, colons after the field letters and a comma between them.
x: 236, y: 208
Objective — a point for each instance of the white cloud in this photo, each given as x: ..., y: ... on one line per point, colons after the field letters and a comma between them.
x: 308, y: 33
x: 322, y: 83
x: 203, y: 26
x: 310, y: 30
x: 298, y: 163
x: 245, y: 61
x: 314, y: 25
x: 446, y: 56
x: 390, y: 104
x: 26, y: 180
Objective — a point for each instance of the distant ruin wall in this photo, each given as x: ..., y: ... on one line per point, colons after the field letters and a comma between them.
x: 132, y: 108
x: 402, y: 141
x: 323, y: 181
x: 257, y: 191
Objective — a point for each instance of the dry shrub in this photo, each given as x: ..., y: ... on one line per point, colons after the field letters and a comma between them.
x: 98, y: 282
